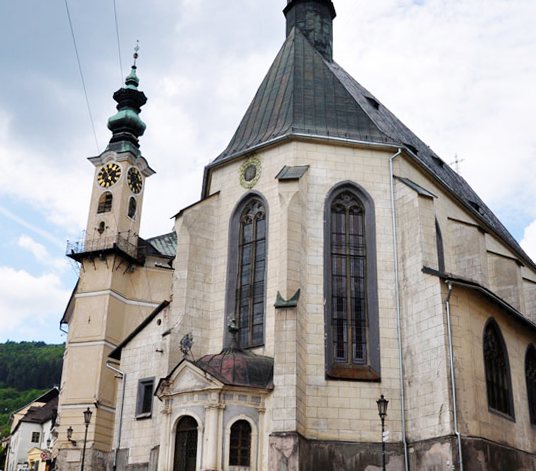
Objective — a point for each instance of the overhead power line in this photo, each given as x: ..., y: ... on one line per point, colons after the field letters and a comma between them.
x: 82, y: 76
x: 118, y: 46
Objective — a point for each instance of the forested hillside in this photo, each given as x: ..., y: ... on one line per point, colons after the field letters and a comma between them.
x: 27, y: 370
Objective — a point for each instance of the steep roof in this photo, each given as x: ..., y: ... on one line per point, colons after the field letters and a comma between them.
x: 301, y: 94
x: 305, y: 94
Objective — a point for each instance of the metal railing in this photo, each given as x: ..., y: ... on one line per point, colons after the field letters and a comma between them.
x: 103, y: 243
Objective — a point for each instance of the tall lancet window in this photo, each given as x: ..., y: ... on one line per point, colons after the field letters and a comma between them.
x: 247, y: 270
x: 530, y: 377
x: 350, y: 285
x: 498, y: 382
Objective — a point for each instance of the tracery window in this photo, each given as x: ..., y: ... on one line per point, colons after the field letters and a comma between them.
x: 350, y: 285
x: 250, y: 278
x: 105, y: 203
x: 498, y: 383
x: 240, y: 445
x: 530, y: 376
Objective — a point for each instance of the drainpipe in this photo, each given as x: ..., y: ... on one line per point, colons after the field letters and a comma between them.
x: 452, y: 377
x: 398, y: 314
x: 123, y: 381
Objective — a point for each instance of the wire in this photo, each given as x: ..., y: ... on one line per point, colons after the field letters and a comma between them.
x: 82, y: 76
x: 118, y: 46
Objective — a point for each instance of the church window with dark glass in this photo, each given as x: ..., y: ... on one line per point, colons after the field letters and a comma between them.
x: 251, y: 274
x: 498, y: 382
x: 105, y: 203
x: 185, y: 455
x: 144, y: 406
x: 240, y: 446
x: 132, y: 208
x: 350, y: 285
x: 530, y: 377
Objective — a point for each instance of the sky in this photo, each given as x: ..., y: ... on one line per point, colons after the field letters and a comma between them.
x: 461, y: 74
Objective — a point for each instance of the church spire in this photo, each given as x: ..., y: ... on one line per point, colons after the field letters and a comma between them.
x: 126, y: 124
x: 314, y: 18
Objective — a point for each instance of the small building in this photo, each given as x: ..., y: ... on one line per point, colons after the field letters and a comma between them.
x: 39, y: 459
x: 31, y: 428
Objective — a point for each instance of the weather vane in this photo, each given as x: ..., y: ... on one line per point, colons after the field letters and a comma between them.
x: 136, y: 49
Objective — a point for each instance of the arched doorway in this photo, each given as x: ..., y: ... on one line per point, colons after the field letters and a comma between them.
x: 185, y: 445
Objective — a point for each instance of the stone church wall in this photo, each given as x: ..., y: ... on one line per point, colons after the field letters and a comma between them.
x: 470, y: 312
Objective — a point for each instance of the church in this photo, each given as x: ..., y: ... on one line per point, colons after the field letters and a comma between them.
x: 333, y: 263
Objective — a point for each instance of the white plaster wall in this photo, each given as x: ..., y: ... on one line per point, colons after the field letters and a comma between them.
x: 141, y: 359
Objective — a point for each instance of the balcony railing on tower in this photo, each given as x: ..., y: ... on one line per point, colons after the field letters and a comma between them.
x: 104, y: 244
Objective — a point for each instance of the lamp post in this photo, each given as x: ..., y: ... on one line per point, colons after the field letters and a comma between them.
x: 382, y: 411
x: 70, y: 436
x: 87, y: 419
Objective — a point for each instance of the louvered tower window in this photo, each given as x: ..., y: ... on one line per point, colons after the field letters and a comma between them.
x: 530, y: 376
x: 240, y: 446
x: 498, y: 383
x: 251, y: 274
x: 350, y: 283
x: 105, y: 203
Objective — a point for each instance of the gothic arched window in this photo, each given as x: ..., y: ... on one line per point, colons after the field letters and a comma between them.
x: 240, y: 445
x: 530, y: 376
x: 350, y: 285
x: 132, y: 208
x: 247, y: 270
x: 498, y: 383
x: 105, y: 203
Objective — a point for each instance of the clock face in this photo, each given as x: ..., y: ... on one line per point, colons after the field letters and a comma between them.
x: 134, y: 180
x: 109, y: 175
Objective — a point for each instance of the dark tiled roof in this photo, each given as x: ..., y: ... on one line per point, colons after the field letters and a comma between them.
x: 301, y: 94
x: 236, y: 367
x: 40, y: 415
x: 305, y: 94
x: 165, y: 245
x: 47, y: 397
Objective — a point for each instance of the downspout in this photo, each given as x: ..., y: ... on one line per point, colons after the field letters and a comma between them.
x: 398, y: 311
x: 452, y: 377
x: 123, y: 381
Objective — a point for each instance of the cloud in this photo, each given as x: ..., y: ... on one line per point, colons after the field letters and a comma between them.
x: 39, y: 251
x: 529, y: 240
x: 29, y: 304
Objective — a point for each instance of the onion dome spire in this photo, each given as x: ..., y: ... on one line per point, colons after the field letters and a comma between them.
x: 126, y: 124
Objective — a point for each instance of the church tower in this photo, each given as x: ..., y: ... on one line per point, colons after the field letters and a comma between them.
x: 120, y: 172
x: 122, y: 280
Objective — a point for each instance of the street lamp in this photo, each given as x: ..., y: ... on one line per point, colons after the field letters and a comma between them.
x: 382, y: 411
x: 70, y: 436
x: 87, y: 419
